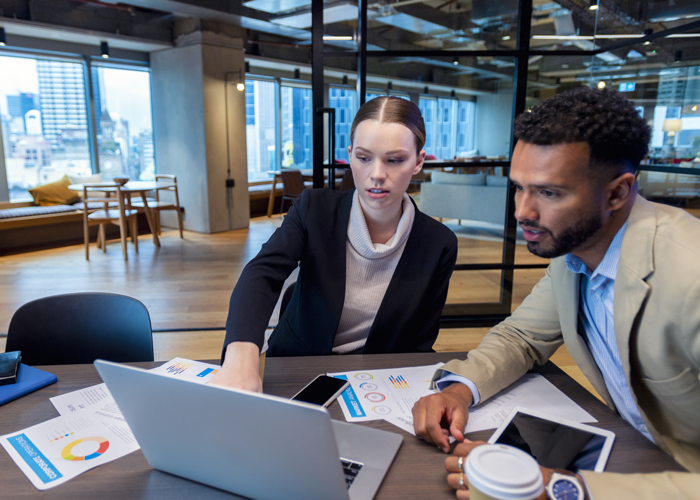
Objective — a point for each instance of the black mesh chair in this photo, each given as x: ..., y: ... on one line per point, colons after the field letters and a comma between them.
x: 78, y: 328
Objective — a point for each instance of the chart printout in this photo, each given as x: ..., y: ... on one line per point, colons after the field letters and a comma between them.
x: 60, y: 449
x: 379, y: 394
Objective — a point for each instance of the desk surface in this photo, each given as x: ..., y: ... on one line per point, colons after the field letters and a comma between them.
x: 418, y: 471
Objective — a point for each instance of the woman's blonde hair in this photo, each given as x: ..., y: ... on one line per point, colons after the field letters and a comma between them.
x: 389, y: 109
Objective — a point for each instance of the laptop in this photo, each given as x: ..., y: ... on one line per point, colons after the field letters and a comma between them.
x: 255, y: 445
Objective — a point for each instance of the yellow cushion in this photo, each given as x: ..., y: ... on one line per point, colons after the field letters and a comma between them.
x: 55, y: 193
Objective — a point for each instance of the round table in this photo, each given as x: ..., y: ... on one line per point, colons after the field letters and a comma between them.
x: 132, y: 187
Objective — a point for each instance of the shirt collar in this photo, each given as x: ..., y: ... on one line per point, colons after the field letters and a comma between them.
x: 607, y: 267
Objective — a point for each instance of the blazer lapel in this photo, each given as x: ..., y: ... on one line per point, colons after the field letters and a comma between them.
x: 338, y: 237
x: 635, y: 266
x: 568, y: 288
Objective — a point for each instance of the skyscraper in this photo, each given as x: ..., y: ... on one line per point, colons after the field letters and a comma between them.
x: 18, y: 105
x: 62, y: 98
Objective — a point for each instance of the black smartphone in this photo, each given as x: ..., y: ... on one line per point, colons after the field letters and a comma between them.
x: 322, y: 390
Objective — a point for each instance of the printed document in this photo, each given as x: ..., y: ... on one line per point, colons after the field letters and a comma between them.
x: 532, y: 391
x: 381, y: 394
x: 60, y: 449
x: 98, y: 396
x: 89, y: 432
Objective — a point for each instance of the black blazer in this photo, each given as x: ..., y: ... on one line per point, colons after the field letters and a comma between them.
x: 313, y: 236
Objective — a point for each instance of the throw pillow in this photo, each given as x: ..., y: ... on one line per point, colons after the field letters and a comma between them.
x: 88, y: 179
x: 54, y: 193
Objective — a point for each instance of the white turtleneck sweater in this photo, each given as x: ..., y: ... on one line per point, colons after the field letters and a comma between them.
x: 369, y: 268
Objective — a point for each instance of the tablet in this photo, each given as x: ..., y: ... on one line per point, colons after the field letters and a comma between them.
x: 555, y: 442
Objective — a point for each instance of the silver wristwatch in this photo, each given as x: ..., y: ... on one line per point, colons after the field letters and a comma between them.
x: 564, y: 487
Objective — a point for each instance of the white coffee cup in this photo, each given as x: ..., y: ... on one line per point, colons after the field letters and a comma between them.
x: 499, y: 472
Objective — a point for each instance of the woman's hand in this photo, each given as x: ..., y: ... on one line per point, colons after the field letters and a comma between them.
x: 241, y: 368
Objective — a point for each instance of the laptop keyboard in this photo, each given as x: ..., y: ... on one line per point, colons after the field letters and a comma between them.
x: 350, y: 469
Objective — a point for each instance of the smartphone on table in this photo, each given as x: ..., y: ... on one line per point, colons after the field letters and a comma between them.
x: 322, y: 390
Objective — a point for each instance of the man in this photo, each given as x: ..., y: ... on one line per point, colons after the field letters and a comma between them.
x: 622, y: 291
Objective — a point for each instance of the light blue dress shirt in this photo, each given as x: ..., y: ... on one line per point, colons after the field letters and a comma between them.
x: 596, y: 316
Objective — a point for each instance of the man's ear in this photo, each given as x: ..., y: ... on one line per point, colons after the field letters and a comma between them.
x: 619, y: 190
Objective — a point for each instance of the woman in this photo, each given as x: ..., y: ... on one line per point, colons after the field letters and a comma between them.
x: 374, y: 270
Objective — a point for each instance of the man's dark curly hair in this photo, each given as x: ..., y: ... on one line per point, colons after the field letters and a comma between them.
x: 616, y: 135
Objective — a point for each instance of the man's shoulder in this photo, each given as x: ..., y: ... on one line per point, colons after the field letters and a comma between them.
x: 676, y: 231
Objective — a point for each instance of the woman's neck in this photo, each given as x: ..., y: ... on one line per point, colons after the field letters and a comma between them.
x: 382, y: 224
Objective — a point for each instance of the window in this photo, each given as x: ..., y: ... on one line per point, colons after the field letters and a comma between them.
x: 465, y: 128
x: 261, y: 128
x: 447, y: 128
x: 345, y: 104
x: 123, y: 122
x: 42, y: 142
x: 428, y: 110
x: 296, y: 114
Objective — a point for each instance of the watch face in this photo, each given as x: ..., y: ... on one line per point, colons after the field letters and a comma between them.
x: 563, y: 489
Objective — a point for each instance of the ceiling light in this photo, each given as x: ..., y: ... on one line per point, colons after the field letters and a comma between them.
x: 601, y: 84
x: 240, y: 87
x: 337, y: 38
x: 104, y: 49
x: 694, y: 108
x: 647, y: 42
x: 3, y: 38
x: 456, y: 62
x: 593, y: 5
x: 507, y: 37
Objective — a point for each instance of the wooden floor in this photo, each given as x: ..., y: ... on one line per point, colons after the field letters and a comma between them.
x: 186, y: 284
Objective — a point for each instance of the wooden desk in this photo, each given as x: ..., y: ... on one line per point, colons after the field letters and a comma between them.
x: 418, y: 471
x: 134, y: 187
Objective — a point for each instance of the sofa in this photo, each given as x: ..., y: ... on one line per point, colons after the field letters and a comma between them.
x: 472, y: 197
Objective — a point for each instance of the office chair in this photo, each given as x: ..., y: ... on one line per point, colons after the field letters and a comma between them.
x: 123, y: 217
x: 292, y: 185
x: 78, y: 328
x: 348, y: 181
x: 159, y: 205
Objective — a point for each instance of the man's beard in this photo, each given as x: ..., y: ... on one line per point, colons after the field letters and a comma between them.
x: 570, y: 238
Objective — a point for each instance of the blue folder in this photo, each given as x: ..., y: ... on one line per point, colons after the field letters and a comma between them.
x: 29, y: 379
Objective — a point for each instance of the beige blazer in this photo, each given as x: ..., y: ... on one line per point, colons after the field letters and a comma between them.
x: 657, y: 325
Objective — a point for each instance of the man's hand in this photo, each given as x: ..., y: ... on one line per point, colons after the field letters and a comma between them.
x: 452, y: 466
x: 463, y: 450
x: 241, y: 368
x: 438, y: 416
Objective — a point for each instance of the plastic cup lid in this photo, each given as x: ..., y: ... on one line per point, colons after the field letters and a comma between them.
x: 504, y: 472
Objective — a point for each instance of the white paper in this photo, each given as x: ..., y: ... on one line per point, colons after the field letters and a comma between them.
x: 98, y: 396
x: 532, y: 391
x: 195, y: 371
x: 93, y: 397
x: 91, y: 430
x: 378, y: 394
x: 60, y: 449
